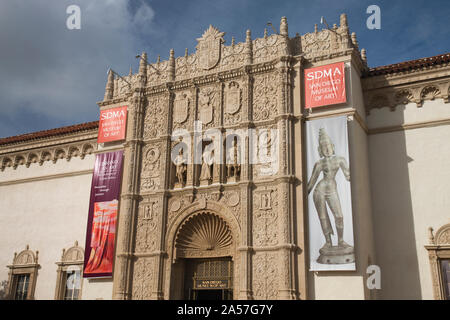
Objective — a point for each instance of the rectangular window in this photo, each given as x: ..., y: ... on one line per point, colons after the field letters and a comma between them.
x: 72, y: 285
x: 22, y: 282
x: 445, y: 268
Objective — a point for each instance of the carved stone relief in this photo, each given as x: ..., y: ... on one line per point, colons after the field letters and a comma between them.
x: 147, y: 225
x: 143, y: 278
x: 182, y: 106
x: 392, y: 97
x: 151, y: 168
x: 208, y: 111
x: 265, y: 96
x: 155, y: 122
x: 267, y: 153
x: 232, y: 103
x: 265, y: 275
x: 265, y: 217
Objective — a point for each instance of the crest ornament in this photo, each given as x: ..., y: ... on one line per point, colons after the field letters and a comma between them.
x: 233, y: 98
x: 209, y: 48
x: 206, y: 106
x: 181, y: 108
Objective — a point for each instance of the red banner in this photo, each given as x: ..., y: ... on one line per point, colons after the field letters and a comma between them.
x: 112, y: 124
x: 325, y: 85
x: 102, y: 218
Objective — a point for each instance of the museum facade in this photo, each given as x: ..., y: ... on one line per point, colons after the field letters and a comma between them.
x: 236, y: 224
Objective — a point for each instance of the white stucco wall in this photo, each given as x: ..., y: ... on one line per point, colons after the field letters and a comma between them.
x: 48, y: 213
x: 410, y: 180
x: 352, y: 284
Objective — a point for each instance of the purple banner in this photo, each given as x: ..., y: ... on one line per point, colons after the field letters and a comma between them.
x: 102, y: 218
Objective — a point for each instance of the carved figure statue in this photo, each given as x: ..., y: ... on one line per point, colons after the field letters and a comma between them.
x: 233, y: 163
x: 207, y: 161
x: 326, y: 191
x: 180, y: 164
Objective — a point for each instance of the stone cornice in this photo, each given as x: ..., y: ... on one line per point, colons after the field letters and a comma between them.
x: 39, y: 153
x: 417, y: 86
x: 49, y: 141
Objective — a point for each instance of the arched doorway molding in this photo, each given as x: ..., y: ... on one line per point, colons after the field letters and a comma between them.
x: 196, y: 209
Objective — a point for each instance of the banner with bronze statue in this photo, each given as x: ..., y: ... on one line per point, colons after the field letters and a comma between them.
x: 330, y: 219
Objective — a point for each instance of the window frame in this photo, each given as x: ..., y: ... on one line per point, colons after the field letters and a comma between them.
x: 24, y: 263
x: 71, y: 259
x: 438, y: 250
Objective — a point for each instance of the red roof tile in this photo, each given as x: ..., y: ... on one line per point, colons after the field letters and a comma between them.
x: 409, y: 65
x: 49, y: 133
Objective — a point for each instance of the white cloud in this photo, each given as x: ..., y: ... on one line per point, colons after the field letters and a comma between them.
x: 59, y: 73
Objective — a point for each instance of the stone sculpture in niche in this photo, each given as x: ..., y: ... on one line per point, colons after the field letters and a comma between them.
x: 233, y: 162
x: 180, y: 165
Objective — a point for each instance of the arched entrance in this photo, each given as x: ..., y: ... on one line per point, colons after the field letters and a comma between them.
x: 203, y: 264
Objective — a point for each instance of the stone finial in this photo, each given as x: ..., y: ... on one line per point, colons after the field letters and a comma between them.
x: 265, y: 33
x: 131, y: 71
x: 315, y: 28
x: 116, y: 85
x: 109, y: 89
x: 354, y: 40
x: 37, y: 256
x: 430, y: 235
x: 186, y: 52
x: 172, y: 65
x: 283, y: 27
x: 76, y: 243
x: 143, y: 64
x: 159, y: 59
x: 233, y: 41
x: 364, y: 55
x: 344, y: 20
x: 62, y: 254
x: 249, y: 48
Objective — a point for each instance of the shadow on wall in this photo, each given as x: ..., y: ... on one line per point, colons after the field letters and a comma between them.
x: 395, y: 241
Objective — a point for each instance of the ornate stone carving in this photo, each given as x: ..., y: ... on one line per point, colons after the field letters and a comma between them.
x: 267, y: 153
x: 208, y: 106
x: 204, y: 235
x: 155, y: 122
x: 443, y: 235
x: 265, y: 219
x: 148, y: 219
x: 267, y: 48
x: 26, y: 257
x: 209, y: 48
x: 412, y: 89
x: 181, y: 106
x: 73, y: 254
x: 324, y: 43
x: 265, y: 275
x: 151, y: 168
x: 404, y: 96
x: 265, y: 96
x: 233, y: 198
x: 143, y: 278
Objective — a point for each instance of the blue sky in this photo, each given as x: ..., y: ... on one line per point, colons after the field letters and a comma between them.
x: 51, y: 76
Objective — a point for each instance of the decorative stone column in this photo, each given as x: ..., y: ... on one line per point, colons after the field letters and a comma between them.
x: 130, y: 189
